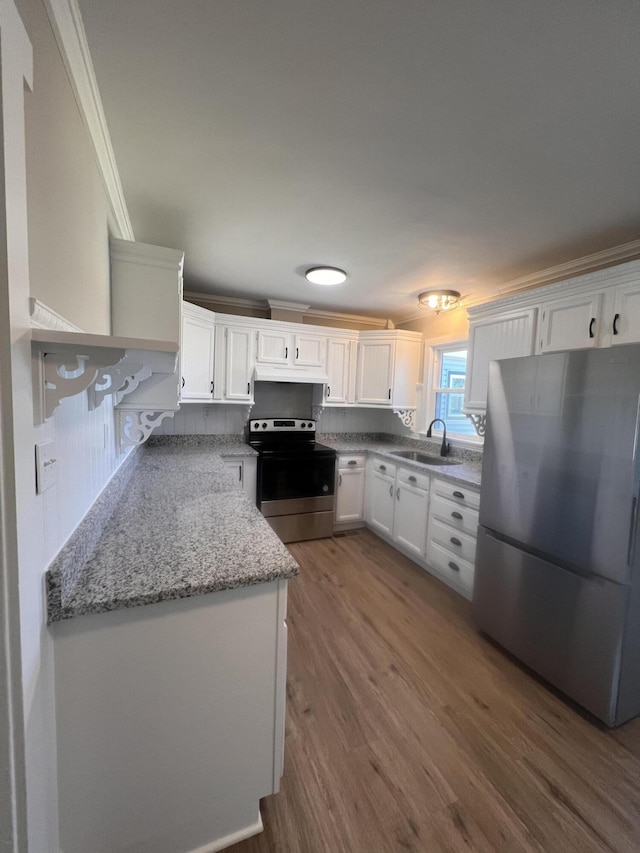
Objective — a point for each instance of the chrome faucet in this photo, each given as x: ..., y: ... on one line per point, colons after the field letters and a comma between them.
x: 444, y: 450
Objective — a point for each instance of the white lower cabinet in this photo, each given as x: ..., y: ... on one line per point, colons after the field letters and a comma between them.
x: 380, y: 496
x: 410, y: 517
x: 430, y: 520
x: 245, y: 471
x: 452, y: 531
x: 177, y: 708
x: 350, y: 489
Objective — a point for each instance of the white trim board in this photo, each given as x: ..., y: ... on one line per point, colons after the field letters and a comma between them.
x: 68, y: 28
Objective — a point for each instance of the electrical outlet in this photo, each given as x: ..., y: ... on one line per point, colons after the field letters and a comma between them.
x: 46, y: 466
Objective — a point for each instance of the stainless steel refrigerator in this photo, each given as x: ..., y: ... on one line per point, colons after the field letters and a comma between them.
x: 557, y: 577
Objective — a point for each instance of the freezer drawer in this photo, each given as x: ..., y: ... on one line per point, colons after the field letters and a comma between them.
x: 566, y: 627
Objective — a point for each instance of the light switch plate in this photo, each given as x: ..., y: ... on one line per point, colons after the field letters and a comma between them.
x: 46, y: 466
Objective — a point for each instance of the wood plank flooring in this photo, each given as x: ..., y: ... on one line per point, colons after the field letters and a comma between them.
x: 408, y: 731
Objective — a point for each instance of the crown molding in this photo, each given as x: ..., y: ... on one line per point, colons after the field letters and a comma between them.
x: 265, y: 304
x: 43, y: 317
x: 68, y: 28
x: 146, y: 254
x: 570, y: 269
x: 288, y: 306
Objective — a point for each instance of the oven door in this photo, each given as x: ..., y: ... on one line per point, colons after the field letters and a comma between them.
x: 291, y: 483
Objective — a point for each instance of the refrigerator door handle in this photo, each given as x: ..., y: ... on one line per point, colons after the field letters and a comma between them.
x: 632, y: 530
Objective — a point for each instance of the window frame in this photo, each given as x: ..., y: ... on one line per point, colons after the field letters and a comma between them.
x: 433, y: 361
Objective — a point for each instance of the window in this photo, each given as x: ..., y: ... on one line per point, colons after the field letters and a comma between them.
x: 449, y: 367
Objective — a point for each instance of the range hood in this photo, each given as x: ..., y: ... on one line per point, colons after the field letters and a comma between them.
x: 287, y: 373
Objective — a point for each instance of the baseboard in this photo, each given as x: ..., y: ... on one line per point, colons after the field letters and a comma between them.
x: 232, y: 838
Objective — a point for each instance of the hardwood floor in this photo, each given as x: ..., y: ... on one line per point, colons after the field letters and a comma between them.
x: 408, y: 731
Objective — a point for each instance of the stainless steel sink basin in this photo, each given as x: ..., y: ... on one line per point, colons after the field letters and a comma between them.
x: 425, y: 458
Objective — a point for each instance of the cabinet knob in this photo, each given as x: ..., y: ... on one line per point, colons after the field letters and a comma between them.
x: 383, y: 467
x: 352, y: 462
x: 412, y: 479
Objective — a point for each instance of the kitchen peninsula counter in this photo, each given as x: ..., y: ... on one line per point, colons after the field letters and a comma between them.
x: 179, y: 528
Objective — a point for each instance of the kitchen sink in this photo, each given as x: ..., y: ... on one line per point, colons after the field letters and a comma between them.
x: 425, y: 458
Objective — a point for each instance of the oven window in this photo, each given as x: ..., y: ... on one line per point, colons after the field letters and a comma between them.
x: 295, y: 477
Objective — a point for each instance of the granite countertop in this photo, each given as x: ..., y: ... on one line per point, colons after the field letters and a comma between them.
x: 467, y: 471
x: 180, y: 528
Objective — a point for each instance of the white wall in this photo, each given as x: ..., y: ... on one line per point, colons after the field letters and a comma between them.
x: 217, y: 419
x: 58, y: 251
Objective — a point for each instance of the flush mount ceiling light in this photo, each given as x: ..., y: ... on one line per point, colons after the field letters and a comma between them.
x: 325, y: 275
x: 439, y: 300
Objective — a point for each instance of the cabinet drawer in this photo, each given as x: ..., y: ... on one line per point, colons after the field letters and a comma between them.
x: 460, y: 494
x: 459, y: 544
x: 348, y: 462
x: 414, y: 478
x: 455, y: 568
x: 383, y: 466
x: 455, y: 515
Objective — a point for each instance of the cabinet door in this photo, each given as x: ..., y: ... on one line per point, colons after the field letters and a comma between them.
x: 197, y: 358
x: 375, y: 372
x: 309, y: 351
x: 380, y: 502
x: 234, y: 466
x: 625, y: 323
x: 571, y: 323
x: 410, y: 522
x: 239, y: 364
x: 340, y: 368
x: 350, y: 495
x: 273, y: 347
x: 507, y: 336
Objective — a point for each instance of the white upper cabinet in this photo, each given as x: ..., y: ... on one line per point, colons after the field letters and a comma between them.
x: 283, y: 347
x: 273, y: 346
x: 234, y: 361
x: 146, y: 302
x: 624, y: 326
x: 505, y: 335
x: 388, y: 368
x: 341, y: 369
x: 572, y: 323
x: 375, y: 372
x: 197, y: 353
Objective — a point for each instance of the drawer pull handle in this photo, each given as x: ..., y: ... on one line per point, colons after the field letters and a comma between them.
x: 456, y: 515
x: 391, y: 490
x: 458, y: 495
x: 454, y: 566
x: 383, y: 467
x: 398, y: 494
x: 328, y: 390
x: 615, y: 324
x: 339, y: 479
x: 591, y: 325
x: 412, y: 479
x: 352, y: 462
x: 455, y: 541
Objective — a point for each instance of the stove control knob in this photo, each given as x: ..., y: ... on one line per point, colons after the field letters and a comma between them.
x: 256, y: 426
x: 303, y: 425
x: 264, y: 426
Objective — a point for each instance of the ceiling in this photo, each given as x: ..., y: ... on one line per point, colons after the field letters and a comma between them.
x: 415, y: 143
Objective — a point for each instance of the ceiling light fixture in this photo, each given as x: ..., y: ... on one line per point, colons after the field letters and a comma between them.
x: 325, y: 275
x: 439, y: 300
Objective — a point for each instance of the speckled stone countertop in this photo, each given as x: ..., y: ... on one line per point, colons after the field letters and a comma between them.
x: 467, y: 471
x: 180, y: 528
